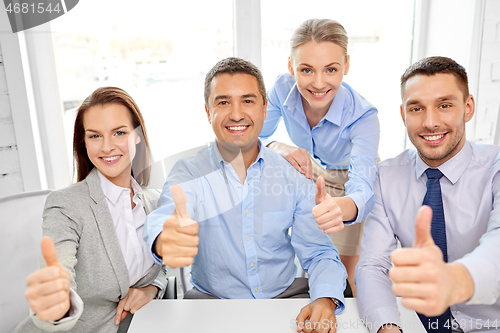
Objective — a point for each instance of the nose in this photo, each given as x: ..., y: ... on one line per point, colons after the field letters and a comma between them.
x: 319, y: 81
x: 236, y: 113
x: 431, y: 118
x: 107, y: 145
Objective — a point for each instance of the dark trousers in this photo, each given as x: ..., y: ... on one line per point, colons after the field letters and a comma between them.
x: 298, y: 289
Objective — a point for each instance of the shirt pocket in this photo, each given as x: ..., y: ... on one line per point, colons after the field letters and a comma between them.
x: 275, y: 227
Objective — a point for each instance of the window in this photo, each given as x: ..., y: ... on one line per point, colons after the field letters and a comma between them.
x: 158, y: 51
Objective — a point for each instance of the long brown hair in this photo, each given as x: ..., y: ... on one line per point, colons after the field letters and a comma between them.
x: 141, y: 164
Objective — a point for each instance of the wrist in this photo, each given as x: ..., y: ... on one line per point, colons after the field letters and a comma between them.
x: 157, y: 248
x: 460, y: 286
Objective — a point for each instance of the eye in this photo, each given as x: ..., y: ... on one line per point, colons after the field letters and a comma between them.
x: 94, y: 136
x: 223, y: 103
x: 331, y: 70
x: 445, y: 106
x: 415, y: 109
x: 306, y: 70
x: 247, y: 101
x: 119, y: 133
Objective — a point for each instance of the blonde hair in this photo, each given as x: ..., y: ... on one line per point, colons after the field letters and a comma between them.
x: 319, y: 30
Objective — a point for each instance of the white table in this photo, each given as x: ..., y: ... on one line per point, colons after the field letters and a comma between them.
x: 242, y: 316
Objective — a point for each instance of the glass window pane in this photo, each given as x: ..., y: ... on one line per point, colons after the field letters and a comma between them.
x: 158, y: 51
x: 380, y: 37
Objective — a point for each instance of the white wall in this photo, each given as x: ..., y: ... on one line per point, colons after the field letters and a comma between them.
x: 10, y: 169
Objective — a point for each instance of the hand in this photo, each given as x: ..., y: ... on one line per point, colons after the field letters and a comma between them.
x: 135, y: 299
x: 327, y: 212
x: 299, y: 158
x: 178, y: 242
x: 420, y: 275
x: 48, y: 288
x: 321, y: 315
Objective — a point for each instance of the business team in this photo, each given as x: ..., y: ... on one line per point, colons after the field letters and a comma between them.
x: 239, y: 212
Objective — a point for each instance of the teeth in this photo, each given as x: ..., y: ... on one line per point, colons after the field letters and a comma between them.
x: 433, y: 137
x: 237, y: 128
x: 109, y: 159
x: 319, y: 94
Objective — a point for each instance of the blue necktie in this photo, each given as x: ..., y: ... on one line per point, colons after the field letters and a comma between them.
x: 433, y: 198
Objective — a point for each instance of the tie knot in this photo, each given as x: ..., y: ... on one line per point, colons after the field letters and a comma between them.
x: 433, y: 173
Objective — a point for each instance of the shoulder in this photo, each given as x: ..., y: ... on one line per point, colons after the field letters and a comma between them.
x: 74, y: 194
x: 486, y: 155
x: 282, y: 86
x: 355, y: 104
x: 403, y: 161
x: 277, y: 166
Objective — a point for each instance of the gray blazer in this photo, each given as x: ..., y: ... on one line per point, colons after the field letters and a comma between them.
x: 77, y: 219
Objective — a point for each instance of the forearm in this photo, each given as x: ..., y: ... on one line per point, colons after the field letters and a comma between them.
x: 348, y: 208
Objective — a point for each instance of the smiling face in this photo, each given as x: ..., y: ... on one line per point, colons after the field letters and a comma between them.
x: 236, y: 110
x: 318, y: 69
x: 110, y: 141
x: 435, y: 112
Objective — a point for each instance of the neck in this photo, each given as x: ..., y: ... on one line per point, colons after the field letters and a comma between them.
x: 314, y: 115
x: 239, y: 158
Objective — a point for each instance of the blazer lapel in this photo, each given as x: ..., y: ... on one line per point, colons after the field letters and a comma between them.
x: 107, y: 231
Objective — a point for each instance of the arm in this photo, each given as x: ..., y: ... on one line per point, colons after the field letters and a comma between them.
x: 64, y: 232
x: 376, y: 301
x: 364, y: 135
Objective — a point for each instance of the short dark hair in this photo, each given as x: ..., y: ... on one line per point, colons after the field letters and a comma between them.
x: 231, y: 66
x: 101, y: 97
x: 437, y: 65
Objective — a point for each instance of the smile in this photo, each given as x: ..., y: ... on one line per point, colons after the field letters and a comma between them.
x: 112, y: 158
x: 319, y: 94
x: 432, y: 137
x: 237, y: 128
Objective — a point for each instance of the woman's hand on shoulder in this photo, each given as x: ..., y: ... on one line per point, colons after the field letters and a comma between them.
x: 298, y: 157
x: 135, y: 299
x: 48, y: 288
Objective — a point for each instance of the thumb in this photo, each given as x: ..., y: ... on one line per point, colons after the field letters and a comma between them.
x: 49, y: 252
x: 180, y: 201
x: 423, y: 227
x: 320, y: 189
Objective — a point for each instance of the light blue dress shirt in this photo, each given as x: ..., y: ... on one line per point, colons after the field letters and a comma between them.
x: 346, y: 138
x: 245, y: 249
x: 471, y: 202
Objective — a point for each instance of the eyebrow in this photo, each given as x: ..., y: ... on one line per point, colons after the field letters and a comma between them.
x: 114, y: 129
x: 249, y: 95
x: 219, y: 97
x: 440, y: 99
x: 330, y: 64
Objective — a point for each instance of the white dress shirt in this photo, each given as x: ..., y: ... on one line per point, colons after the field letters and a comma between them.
x: 129, y: 224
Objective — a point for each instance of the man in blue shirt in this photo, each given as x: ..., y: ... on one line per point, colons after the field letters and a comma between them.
x: 450, y: 276
x: 246, y: 198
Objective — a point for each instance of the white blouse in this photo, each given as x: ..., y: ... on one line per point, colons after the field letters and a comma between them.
x: 129, y: 224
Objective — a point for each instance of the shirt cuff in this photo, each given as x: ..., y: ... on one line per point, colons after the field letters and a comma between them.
x: 360, y: 205
x: 329, y: 292
x: 156, y: 258
x: 486, y: 290
x: 379, y: 317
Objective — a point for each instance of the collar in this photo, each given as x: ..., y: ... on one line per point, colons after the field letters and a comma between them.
x: 333, y: 115
x: 220, y: 162
x: 112, y: 192
x: 451, y: 169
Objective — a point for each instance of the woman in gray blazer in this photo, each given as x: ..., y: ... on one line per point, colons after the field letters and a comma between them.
x: 96, y: 267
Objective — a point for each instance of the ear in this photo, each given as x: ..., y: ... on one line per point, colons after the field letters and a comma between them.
x: 347, y: 64
x: 290, y: 67
x: 469, y: 108
x: 403, y: 115
x: 265, y: 109
x: 208, y: 114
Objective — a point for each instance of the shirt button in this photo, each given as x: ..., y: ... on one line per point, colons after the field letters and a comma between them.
x: 248, y: 238
x: 247, y: 212
x: 256, y: 290
x: 458, y: 312
x: 239, y: 185
x: 252, y: 265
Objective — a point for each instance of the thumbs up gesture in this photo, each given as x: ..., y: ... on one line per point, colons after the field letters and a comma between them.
x: 178, y: 242
x: 48, y: 288
x: 420, y: 276
x: 327, y: 212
